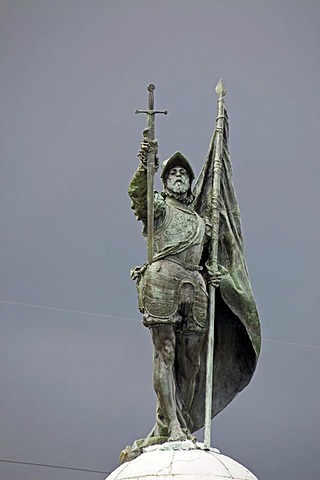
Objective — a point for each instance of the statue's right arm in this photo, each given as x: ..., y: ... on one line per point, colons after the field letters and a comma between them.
x: 138, y: 186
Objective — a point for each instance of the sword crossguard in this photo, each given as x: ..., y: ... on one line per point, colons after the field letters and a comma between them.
x: 151, y: 112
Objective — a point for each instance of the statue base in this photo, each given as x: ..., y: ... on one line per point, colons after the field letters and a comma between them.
x: 183, y: 461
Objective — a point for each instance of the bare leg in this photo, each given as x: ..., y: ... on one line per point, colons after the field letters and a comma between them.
x: 164, y: 340
x: 189, y: 349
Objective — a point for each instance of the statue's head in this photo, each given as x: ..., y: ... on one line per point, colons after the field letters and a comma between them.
x: 177, y: 176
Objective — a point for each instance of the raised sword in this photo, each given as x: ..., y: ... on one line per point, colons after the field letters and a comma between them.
x: 150, y: 131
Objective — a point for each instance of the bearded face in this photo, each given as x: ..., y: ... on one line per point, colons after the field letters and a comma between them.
x: 178, y: 181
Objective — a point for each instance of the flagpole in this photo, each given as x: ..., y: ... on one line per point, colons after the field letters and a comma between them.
x: 213, y: 260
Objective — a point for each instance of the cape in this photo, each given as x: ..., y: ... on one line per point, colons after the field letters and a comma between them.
x: 237, y: 327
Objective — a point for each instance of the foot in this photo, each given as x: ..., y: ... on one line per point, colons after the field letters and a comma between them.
x: 176, y: 434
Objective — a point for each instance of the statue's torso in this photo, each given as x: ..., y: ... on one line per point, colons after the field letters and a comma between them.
x: 174, y: 277
x: 180, y: 235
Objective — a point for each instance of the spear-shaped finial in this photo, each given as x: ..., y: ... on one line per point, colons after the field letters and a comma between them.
x: 221, y: 89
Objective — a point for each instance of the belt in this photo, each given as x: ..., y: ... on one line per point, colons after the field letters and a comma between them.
x: 187, y: 266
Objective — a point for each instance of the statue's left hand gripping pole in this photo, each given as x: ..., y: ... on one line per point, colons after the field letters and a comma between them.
x: 151, y: 157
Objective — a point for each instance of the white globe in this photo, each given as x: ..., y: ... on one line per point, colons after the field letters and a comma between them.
x: 161, y: 463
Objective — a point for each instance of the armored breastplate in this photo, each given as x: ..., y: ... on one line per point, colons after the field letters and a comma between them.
x: 181, y: 235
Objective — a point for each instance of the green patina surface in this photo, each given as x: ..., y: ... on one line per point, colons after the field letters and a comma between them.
x: 173, y: 292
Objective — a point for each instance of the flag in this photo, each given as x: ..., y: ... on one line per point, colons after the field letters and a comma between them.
x: 237, y: 327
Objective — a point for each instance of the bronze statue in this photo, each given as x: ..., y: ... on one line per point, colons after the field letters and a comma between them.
x: 194, y: 291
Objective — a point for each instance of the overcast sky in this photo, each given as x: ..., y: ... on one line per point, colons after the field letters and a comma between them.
x: 76, y: 388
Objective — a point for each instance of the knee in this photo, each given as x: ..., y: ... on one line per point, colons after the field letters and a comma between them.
x: 164, y: 342
x: 195, y: 364
x: 168, y: 351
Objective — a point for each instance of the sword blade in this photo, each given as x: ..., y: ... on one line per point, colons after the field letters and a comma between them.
x: 150, y: 205
x: 150, y: 175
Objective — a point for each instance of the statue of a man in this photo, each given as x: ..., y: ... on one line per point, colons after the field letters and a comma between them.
x: 172, y: 291
x: 191, y: 227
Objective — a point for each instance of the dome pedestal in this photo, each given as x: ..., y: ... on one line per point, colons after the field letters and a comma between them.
x: 183, y: 461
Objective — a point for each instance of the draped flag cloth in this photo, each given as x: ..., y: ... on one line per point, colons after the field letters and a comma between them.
x: 237, y: 327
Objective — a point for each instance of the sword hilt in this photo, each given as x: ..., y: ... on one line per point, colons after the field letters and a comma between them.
x: 151, y: 88
x: 151, y: 112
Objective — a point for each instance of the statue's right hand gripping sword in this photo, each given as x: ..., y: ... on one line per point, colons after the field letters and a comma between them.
x: 151, y: 157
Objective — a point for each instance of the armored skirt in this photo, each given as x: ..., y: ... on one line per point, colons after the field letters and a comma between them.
x: 172, y: 295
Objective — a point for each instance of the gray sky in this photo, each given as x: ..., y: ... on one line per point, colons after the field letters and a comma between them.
x: 76, y: 388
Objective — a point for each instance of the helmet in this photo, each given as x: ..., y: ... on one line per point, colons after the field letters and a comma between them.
x: 176, y: 159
